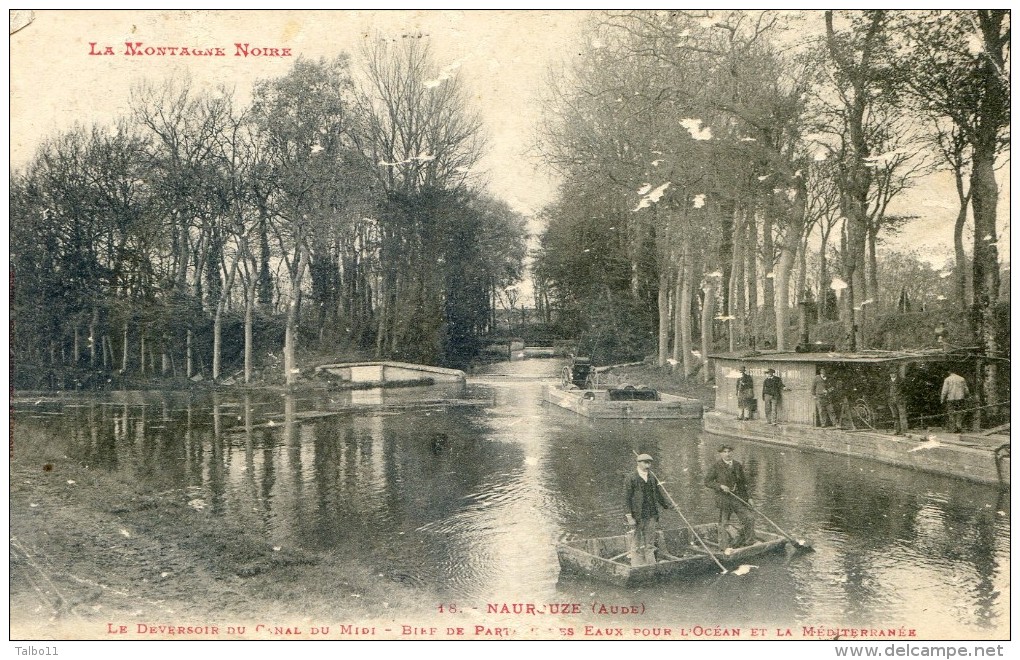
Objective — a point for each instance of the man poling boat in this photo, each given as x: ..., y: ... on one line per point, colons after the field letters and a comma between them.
x: 726, y: 477
x: 729, y: 481
x: 643, y: 498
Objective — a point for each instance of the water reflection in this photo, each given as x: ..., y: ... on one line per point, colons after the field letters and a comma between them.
x: 470, y: 500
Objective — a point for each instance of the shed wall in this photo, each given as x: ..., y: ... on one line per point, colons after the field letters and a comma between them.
x: 798, y: 405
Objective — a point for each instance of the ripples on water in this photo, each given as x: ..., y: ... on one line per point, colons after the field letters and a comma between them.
x: 470, y: 501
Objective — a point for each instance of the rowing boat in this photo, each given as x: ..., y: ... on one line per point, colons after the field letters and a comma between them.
x: 678, y: 555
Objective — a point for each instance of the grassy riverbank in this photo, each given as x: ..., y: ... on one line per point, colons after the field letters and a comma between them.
x: 89, y: 550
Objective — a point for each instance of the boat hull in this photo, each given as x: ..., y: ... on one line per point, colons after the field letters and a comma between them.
x: 596, y: 404
x: 679, y: 555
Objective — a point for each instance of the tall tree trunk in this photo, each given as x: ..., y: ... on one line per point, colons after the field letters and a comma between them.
x: 663, y: 306
x: 217, y: 340
x: 684, y: 315
x: 855, y: 179
x: 265, y: 280
x: 801, y: 292
x: 678, y: 292
x: 991, y: 117
x: 984, y: 199
x: 960, y: 272
x: 787, y: 256
x: 183, y: 255
x: 707, y: 317
x: 768, y: 249
x: 735, y: 312
x: 872, y: 270
x: 782, y: 279
x: 124, y: 352
x: 93, y: 339
x: 662, y: 246
x: 857, y: 285
x: 189, y: 357
x: 637, y: 235
x: 293, y: 309
x: 751, y: 252
x: 725, y: 211
x: 823, y: 276
x: 164, y: 352
x: 221, y: 304
x: 250, y: 291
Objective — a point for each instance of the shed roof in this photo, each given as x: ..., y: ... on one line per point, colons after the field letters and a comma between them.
x: 860, y: 357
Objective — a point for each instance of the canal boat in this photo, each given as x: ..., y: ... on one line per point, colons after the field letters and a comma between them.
x: 626, y: 402
x: 679, y: 555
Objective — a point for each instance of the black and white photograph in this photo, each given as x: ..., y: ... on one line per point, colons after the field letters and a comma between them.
x: 454, y: 325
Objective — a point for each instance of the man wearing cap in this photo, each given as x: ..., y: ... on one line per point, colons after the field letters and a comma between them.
x: 897, y: 403
x: 642, y: 501
x: 772, y: 395
x: 745, y: 394
x: 822, y: 391
x: 727, y: 478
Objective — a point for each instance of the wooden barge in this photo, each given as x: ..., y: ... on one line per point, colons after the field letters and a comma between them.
x: 622, y: 403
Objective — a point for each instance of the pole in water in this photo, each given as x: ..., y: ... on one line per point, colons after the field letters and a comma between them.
x: 800, y: 544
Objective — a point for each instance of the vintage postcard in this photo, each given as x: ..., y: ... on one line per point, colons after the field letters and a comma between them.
x: 686, y: 325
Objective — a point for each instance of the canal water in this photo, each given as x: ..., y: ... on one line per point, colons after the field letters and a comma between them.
x: 468, y: 499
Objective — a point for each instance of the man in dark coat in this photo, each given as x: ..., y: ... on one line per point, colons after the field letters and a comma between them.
x: 823, y: 393
x: 897, y: 403
x: 772, y: 396
x: 642, y: 500
x: 727, y: 478
x: 745, y: 394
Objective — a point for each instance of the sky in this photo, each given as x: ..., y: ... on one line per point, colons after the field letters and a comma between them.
x: 503, y: 56
x: 504, y: 60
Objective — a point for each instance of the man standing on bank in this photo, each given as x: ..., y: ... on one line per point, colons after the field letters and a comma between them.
x: 954, y: 392
x: 772, y: 396
x: 727, y: 476
x: 745, y: 394
x: 823, y: 400
x: 897, y: 403
x: 642, y: 500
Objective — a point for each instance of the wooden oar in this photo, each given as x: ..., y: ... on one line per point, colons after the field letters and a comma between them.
x: 800, y: 545
x: 689, y: 525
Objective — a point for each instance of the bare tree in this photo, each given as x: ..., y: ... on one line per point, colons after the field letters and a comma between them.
x: 421, y: 138
x: 861, y: 80
x: 307, y: 121
x: 961, y: 61
x: 183, y: 126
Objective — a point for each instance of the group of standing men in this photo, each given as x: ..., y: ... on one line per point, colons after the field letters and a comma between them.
x: 645, y: 496
x: 825, y: 394
x: 771, y: 395
x: 953, y: 396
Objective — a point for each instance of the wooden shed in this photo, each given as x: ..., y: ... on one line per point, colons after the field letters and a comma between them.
x: 859, y: 378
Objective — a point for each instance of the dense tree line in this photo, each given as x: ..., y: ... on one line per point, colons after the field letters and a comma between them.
x: 323, y: 212
x: 707, y: 155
